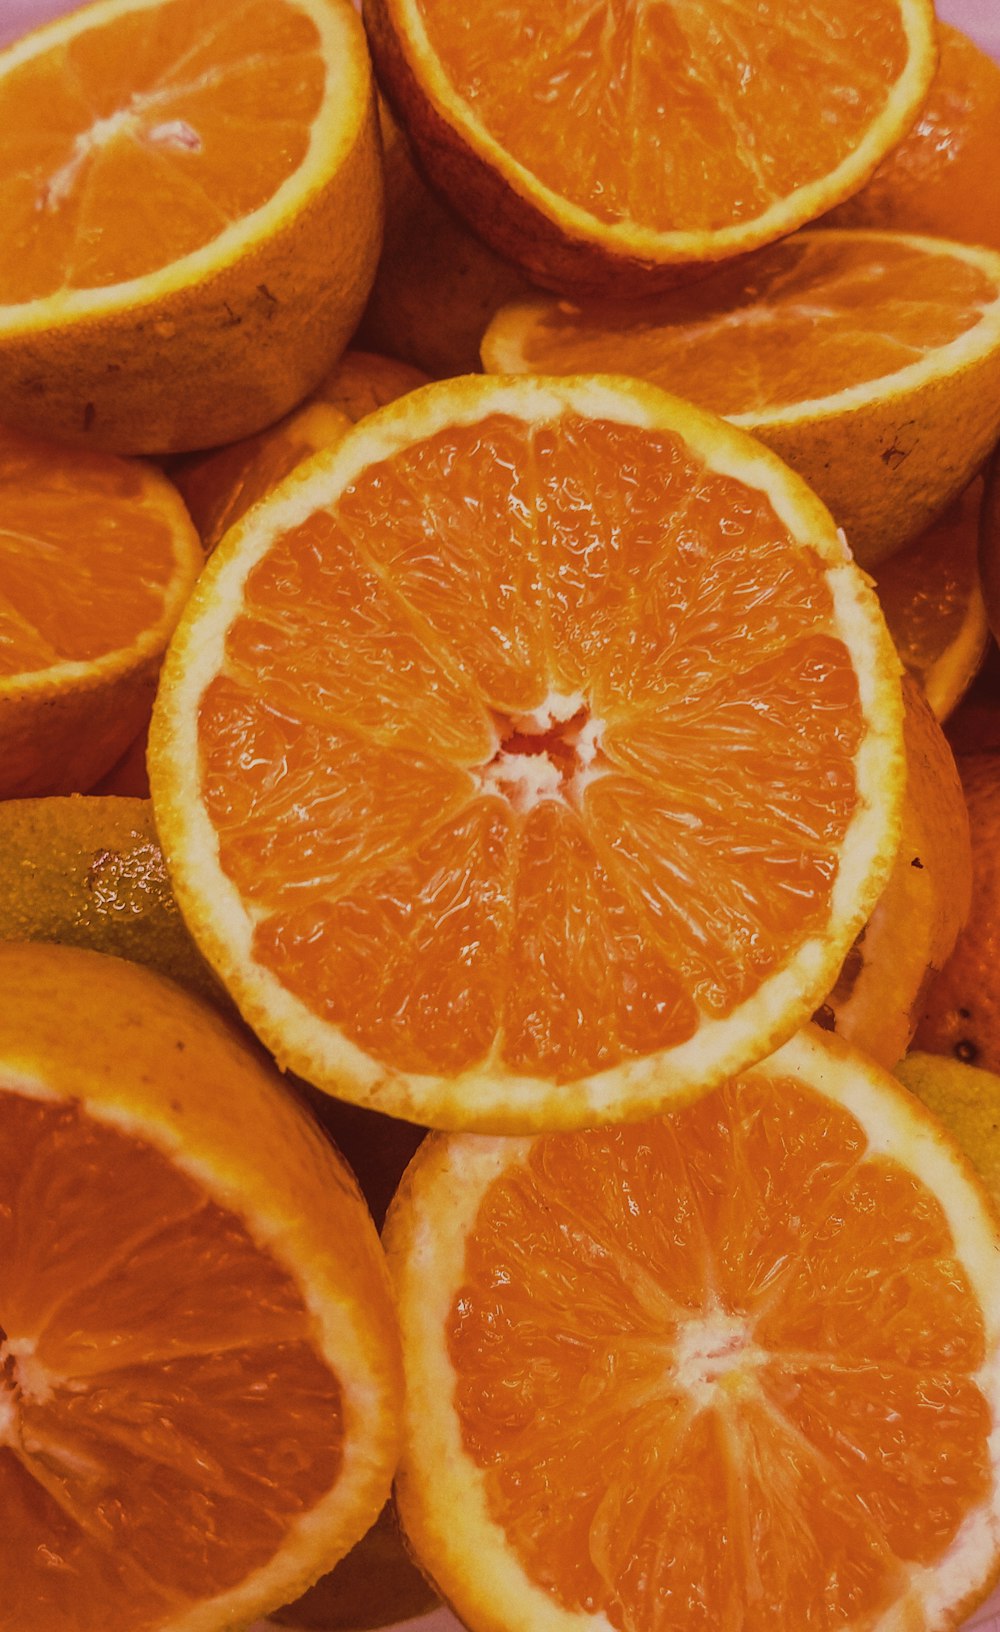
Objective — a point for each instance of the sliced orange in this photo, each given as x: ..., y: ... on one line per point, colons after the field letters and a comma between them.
x: 97, y: 556
x: 870, y: 361
x: 192, y: 200
x: 933, y: 603
x: 530, y: 757
x: 938, y: 178
x: 879, y: 995
x: 199, y: 1368
x: 605, y: 150
x: 731, y: 1367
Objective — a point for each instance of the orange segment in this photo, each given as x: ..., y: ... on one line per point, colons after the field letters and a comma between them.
x: 193, y: 204
x: 547, y: 131
x: 445, y: 728
x: 734, y: 1366
x: 197, y: 1382
x: 97, y: 556
x: 831, y: 347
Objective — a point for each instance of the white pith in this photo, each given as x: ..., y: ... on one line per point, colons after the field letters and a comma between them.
x: 525, y: 780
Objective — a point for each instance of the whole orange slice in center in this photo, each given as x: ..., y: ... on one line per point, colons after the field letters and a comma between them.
x: 533, y: 755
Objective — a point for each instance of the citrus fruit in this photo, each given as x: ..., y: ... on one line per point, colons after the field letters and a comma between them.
x: 97, y: 556
x: 878, y: 996
x: 967, y: 1101
x: 937, y: 179
x: 961, y: 1009
x: 436, y: 285
x: 365, y: 380
x: 932, y: 599
x: 220, y: 485
x: 199, y: 1372
x: 734, y: 1366
x: 192, y: 201
x: 548, y: 129
x: 870, y: 361
x: 88, y: 872
x: 529, y: 757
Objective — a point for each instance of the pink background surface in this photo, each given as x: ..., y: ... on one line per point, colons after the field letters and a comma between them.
x: 981, y: 19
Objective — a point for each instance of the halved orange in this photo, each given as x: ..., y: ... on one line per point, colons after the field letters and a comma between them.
x: 932, y: 598
x: 531, y: 757
x: 199, y: 1362
x: 608, y: 149
x: 732, y: 1367
x: 192, y: 206
x: 870, y: 361
x: 937, y: 179
x: 97, y: 556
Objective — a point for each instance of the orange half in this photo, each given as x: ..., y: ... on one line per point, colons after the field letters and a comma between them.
x: 192, y: 199
x: 606, y: 148
x: 529, y: 757
x: 868, y: 361
x: 735, y: 1367
x: 199, y: 1373
x: 97, y: 556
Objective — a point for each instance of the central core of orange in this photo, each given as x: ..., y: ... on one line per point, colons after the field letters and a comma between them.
x: 552, y: 753
x: 714, y: 1352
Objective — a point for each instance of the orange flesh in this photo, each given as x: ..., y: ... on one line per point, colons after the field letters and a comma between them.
x: 164, y: 1416
x: 718, y: 1369
x: 667, y: 114
x: 924, y: 589
x: 799, y: 321
x: 84, y: 558
x: 138, y: 142
x: 366, y: 753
